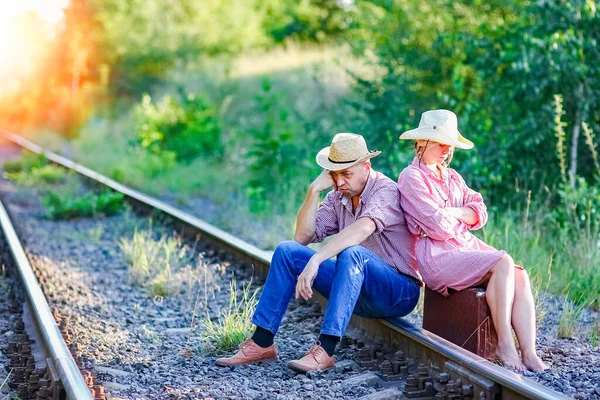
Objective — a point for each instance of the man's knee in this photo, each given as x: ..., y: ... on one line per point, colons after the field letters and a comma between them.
x: 288, y: 247
x: 351, y: 252
x: 351, y: 258
x: 285, y: 254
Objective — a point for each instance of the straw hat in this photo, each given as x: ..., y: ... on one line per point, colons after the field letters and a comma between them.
x: 346, y: 150
x: 439, y: 126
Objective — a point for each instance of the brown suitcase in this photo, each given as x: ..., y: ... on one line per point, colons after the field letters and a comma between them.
x: 462, y: 318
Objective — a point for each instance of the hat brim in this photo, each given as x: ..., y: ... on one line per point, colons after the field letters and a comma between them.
x: 325, y: 163
x: 436, y: 135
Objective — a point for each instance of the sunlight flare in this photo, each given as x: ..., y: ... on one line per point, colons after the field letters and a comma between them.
x: 25, y: 28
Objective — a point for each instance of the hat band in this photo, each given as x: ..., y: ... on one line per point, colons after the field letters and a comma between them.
x: 341, y: 162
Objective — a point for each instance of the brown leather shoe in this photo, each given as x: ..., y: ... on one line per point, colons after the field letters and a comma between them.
x: 316, y: 358
x: 249, y: 352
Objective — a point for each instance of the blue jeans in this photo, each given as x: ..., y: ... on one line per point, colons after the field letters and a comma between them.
x: 357, y: 282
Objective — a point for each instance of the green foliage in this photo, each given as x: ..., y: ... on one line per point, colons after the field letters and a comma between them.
x: 143, y: 39
x: 32, y: 169
x: 69, y: 206
x: 413, y: 67
x: 306, y: 20
x: 530, y: 65
x: 183, y: 130
x: 48, y: 174
x: 579, y: 201
x: 160, y: 265
x: 578, y: 209
x: 26, y: 163
x: 233, y: 325
x: 273, y: 157
x: 496, y: 64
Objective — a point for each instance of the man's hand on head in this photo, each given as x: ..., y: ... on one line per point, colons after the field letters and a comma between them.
x: 323, y: 182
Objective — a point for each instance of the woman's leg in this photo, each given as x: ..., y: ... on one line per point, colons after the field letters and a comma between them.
x: 500, y: 295
x: 523, y: 321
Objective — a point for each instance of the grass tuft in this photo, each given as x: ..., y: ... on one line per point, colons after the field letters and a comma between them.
x: 569, y: 316
x: 161, y: 265
x: 234, y: 325
x: 595, y: 334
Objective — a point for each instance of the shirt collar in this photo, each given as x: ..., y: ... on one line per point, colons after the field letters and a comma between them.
x: 366, y: 193
x: 421, y: 166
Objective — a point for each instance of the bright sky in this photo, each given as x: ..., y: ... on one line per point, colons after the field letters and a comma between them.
x: 47, y: 9
x: 18, y: 52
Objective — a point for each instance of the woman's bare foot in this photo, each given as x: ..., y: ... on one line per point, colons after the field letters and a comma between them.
x: 533, y: 362
x: 510, y: 358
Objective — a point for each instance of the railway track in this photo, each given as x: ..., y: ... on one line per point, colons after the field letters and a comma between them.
x: 436, y: 366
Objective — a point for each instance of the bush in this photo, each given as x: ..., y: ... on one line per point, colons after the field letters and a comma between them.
x: 578, y: 208
x: 186, y: 128
x: 69, y: 206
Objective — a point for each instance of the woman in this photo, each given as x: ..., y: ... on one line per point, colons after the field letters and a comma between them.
x: 441, y: 209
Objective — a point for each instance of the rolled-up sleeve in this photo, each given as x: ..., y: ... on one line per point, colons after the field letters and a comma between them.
x: 474, y: 201
x: 421, y: 208
x: 383, y: 208
x: 326, y: 223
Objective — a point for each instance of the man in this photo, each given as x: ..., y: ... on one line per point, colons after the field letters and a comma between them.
x: 374, y: 273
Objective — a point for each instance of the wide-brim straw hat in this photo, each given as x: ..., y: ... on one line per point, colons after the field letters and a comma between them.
x: 346, y: 150
x: 439, y: 126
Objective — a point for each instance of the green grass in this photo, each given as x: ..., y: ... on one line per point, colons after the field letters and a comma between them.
x: 91, y: 204
x: 233, y: 326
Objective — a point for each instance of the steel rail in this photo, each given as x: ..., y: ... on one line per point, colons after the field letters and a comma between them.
x: 70, y: 376
x: 517, y: 385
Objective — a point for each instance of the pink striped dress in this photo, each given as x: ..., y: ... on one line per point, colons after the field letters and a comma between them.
x: 449, y: 256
